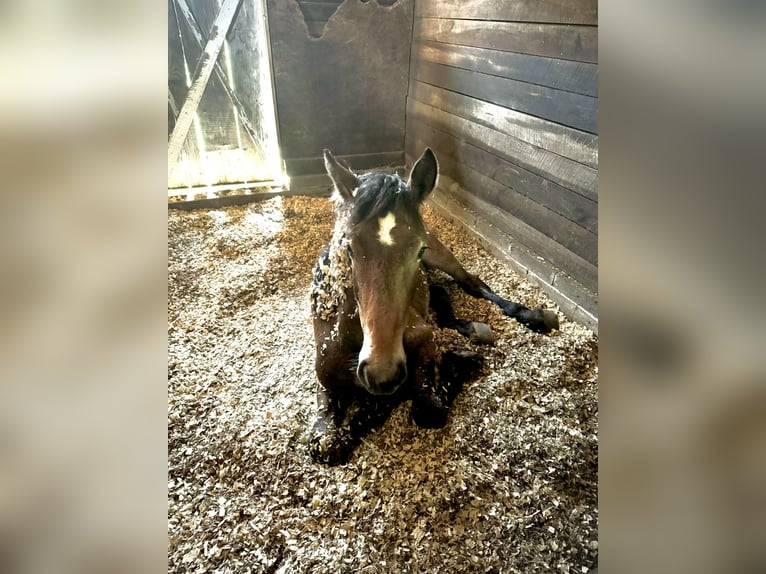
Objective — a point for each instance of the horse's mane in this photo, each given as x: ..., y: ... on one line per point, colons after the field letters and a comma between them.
x: 377, y: 194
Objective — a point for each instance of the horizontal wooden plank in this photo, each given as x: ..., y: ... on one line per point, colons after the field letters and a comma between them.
x: 574, y: 300
x: 310, y: 184
x: 577, y: 145
x: 573, y: 237
x: 567, y: 75
x: 568, y: 42
x: 567, y: 108
x: 573, y: 206
x: 554, y: 11
x: 556, y: 254
x: 563, y: 171
x: 577, y: 293
x: 315, y: 165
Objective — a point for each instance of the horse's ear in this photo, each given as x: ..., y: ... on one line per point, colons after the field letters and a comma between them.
x: 345, y: 181
x: 423, y: 174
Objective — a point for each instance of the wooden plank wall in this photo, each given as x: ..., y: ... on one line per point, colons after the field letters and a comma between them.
x: 506, y: 94
x: 345, y: 90
x: 316, y: 13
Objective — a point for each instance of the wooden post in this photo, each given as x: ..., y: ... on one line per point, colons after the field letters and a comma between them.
x: 203, y: 70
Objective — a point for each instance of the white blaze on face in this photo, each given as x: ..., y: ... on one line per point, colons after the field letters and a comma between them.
x: 386, y: 223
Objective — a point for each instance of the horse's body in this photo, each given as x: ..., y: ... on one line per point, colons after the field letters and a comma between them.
x: 370, y: 299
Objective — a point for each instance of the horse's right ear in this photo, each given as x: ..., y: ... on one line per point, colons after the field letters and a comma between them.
x: 423, y: 174
x: 345, y: 181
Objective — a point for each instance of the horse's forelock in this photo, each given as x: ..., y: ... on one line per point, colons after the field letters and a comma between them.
x: 378, y: 194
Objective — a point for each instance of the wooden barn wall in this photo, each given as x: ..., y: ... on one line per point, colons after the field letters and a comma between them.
x: 340, y: 79
x: 506, y: 94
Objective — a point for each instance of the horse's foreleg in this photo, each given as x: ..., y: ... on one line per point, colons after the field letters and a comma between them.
x: 341, y: 423
x: 475, y: 331
x: 327, y: 442
x: 429, y: 406
x: 440, y: 257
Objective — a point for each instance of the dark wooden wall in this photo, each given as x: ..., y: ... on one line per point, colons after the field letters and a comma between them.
x: 345, y: 90
x: 317, y: 13
x: 506, y: 94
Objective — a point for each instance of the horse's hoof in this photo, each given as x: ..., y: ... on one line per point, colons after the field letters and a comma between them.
x: 428, y: 411
x: 539, y: 320
x: 327, y: 445
x: 550, y: 319
x: 456, y: 368
x: 481, y: 334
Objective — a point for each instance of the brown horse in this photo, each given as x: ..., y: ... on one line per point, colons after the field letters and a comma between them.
x: 370, y: 299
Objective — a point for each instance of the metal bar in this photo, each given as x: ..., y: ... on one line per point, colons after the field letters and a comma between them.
x: 191, y: 20
x: 202, y: 73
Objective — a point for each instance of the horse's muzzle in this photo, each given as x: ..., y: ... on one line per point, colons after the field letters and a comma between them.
x: 382, y: 378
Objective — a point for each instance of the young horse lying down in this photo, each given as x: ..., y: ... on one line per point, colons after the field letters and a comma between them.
x: 370, y: 300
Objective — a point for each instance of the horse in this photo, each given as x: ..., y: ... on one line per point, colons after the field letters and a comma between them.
x: 369, y: 304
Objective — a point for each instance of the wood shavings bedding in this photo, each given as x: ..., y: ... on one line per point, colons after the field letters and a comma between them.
x: 509, y: 485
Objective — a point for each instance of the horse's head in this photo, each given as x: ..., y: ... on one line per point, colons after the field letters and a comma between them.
x: 387, y: 239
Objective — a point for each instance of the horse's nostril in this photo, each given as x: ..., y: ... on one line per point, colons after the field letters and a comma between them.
x: 382, y: 379
x: 361, y: 370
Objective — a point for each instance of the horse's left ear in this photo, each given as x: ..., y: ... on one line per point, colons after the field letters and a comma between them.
x: 423, y: 174
x: 345, y: 181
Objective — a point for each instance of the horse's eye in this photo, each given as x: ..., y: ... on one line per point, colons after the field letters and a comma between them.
x: 421, y: 252
x: 350, y: 251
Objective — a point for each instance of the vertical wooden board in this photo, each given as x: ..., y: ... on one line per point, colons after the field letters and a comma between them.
x: 574, y: 110
x: 347, y: 89
x: 568, y: 42
x: 567, y: 75
x: 551, y: 11
x: 577, y: 145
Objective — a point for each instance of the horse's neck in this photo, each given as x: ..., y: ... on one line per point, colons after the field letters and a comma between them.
x: 332, y: 281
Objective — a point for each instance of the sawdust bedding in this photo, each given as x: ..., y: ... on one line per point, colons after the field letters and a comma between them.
x: 509, y: 485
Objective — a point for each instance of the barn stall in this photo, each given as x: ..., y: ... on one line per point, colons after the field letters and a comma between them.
x: 505, y: 95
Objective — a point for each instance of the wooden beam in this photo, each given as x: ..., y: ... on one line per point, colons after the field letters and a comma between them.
x: 203, y: 70
x: 194, y: 27
x: 173, y: 104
